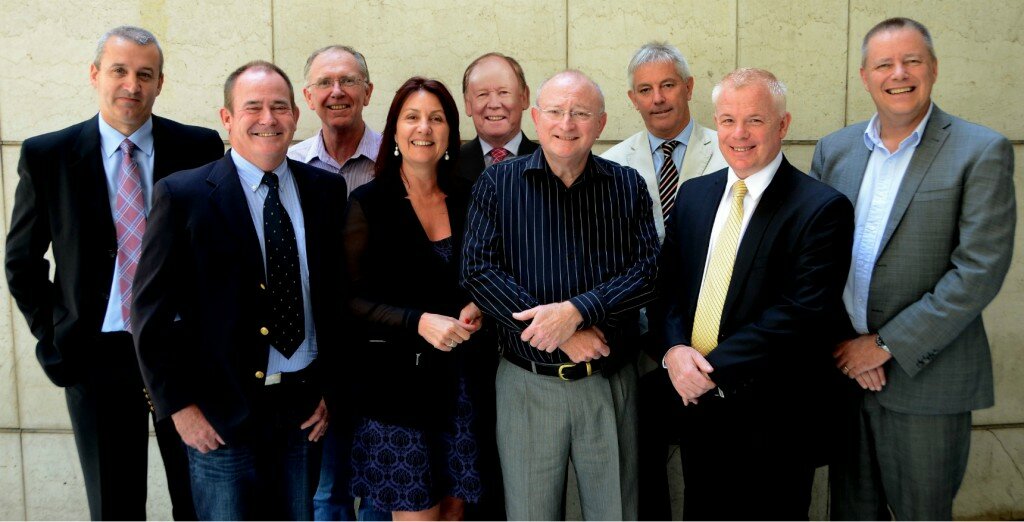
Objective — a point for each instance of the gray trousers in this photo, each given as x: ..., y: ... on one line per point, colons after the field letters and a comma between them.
x: 914, y: 464
x: 544, y: 422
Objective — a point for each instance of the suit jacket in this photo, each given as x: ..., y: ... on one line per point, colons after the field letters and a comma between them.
x: 944, y: 253
x: 471, y: 159
x: 702, y: 157
x: 787, y: 283
x: 62, y: 201
x: 200, y: 297
x: 396, y: 277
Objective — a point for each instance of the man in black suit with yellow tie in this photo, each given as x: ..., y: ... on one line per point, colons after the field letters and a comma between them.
x: 85, y: 191
x: 751, y: 272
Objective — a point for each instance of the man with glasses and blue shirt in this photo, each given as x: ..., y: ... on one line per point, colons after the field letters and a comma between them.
x: 560, y: 252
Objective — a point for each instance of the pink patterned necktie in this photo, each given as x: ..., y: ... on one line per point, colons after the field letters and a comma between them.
x: 130, y: 222
x: 499, y: 154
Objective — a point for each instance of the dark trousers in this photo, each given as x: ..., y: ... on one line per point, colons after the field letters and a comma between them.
x: 481, y: 374
x: 270, y: 472
x: 658, y: 421
x: 110, y: 418
x: 742, y: 460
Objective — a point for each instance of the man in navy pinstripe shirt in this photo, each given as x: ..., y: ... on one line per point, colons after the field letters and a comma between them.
x: 560, y: 251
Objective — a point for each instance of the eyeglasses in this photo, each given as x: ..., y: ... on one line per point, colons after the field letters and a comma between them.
x: 553, y: 114
x: 344, y: 82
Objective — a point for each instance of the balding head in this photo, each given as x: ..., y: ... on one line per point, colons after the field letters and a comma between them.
x: 569, y: 118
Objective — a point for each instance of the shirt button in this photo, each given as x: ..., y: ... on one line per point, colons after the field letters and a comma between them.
x: 264, y: 331
x: 259, y: 374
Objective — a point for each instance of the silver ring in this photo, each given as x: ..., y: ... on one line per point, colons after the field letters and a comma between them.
x: 451, y: 344
x: 846, y: 369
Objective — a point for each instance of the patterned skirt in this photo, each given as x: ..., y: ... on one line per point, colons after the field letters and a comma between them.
x: 407, y: 469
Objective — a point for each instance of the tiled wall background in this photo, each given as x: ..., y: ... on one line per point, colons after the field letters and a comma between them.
x: 45, y: 50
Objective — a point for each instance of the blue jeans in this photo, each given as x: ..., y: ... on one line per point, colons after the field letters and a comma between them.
x: 332, y: 500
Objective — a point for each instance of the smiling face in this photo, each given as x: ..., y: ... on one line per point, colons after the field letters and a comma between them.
x: 127, y: 80
x: 662, y: 97
x: 495, y: 101
x: 262, y: 119
x: 899, y: 72
x: 337, y: 106
x: 421, y: 132
x: 750, y: 129
x: 569, y: 118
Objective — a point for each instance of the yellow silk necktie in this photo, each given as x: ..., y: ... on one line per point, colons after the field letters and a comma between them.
x: 708, y: 317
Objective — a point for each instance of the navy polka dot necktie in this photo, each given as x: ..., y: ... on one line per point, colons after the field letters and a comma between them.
x: 287, y: 319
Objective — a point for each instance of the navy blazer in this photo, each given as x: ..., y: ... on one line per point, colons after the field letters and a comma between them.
x: 471, y: 157
x: 200, y: 297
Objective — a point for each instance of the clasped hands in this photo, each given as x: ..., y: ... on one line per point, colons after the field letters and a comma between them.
x: 689, y: 372
x: 554, y: 326
x: 861, y: 359
x: 445, y: 333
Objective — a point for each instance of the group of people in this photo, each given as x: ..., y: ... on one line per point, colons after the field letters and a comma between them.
x: 439, y: 329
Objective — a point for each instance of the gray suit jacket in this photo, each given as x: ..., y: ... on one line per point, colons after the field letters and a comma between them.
x: 944, y: 253
x: 702, y: 157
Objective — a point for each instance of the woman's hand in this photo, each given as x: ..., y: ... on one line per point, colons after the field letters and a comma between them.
x: 471, y: 317
x: 443, y: 332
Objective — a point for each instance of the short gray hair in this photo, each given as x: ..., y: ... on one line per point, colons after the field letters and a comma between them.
x: 658, y: 52
x: 747, y: 76
x: 578, y: 75
x: 893, y: 24
x: 360, y: 59
x: 131, y: 33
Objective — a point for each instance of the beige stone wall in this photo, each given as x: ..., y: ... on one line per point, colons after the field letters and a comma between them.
x: 813, y: 46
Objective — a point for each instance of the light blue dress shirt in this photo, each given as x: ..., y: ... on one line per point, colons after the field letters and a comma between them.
x: 255, y: 192
x: 677, y: 154
x: 878, y: 190
x: 110, y: 149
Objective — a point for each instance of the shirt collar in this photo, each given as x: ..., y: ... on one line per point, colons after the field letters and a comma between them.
x: 252, y: 176
x: 757, y: 182
x: 536, y: 163
x: 366, y: 147
x: 683, y: 137
x: 512, y: 145
x: 111, y: 138
x: 873, y: 137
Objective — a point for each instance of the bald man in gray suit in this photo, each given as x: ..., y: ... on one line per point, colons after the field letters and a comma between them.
x: 935, y: 217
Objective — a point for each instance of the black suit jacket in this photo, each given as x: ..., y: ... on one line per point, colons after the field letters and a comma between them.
x: 471, y: 157
x: 786, y: 287
x: 62, y: 200
x: 201, y: 261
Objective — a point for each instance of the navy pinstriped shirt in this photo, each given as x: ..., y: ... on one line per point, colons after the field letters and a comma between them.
x: 530, y: 240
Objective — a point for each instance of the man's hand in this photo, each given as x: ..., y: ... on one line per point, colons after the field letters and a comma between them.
x: 872, y: 380
x: 859, y: 355
x: 552, y: 324
x: 689, y: 370
x: 318, y: 420
x: 586, y: 345
x: 195, y: 430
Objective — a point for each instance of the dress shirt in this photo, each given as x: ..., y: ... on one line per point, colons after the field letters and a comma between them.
x: 677, y: 154
x: 255, y: 192
x: 530, y: 240
x: 512, y: 147
x: 878, y: 190
x: 110, y: 149
x: 756, y: 184
x: 357, y: 170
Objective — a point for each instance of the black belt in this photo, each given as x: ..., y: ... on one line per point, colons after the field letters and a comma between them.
x: 566, y: 372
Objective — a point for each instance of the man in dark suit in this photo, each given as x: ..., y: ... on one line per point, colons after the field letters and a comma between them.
x: 935, y: 214
x: 748, y: 279
x: 238, y: 297
x: 496, y: 95
x: 85, y: 191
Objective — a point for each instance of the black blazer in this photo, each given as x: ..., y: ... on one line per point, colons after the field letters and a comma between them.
x: 396, y: 277
x: 62, y: 200
x: 775, y: 342
x: 471, y: 157
x: 201, y: 261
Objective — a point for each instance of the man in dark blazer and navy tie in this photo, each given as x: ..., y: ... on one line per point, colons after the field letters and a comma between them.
x: 496, y: 95
x: 85, y: 191
x: 751, y: 272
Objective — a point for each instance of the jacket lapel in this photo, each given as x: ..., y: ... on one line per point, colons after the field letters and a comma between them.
x: 87, y: 172
x: 850, y: 173
x: 698, y: 154
x: 700, y: 227
x: 227, y: 197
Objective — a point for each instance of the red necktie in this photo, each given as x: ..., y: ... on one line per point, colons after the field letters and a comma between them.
x: 499, y: 154
x: 130, y: 224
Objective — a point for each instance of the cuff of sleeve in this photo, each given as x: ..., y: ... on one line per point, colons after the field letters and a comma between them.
x: 590, y: 309
x: 412, y: 320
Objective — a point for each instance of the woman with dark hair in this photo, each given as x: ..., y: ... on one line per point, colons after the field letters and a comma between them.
x: 414, y: 450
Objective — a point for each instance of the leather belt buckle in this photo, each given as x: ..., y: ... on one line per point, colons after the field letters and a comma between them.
x: 570, y: 366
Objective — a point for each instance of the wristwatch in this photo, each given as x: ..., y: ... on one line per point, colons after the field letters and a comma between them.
x: 881, y: 344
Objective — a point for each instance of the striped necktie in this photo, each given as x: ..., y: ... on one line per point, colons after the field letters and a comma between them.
x: 130, y: 225
x: 668, y: 179
x: 708, y: 318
